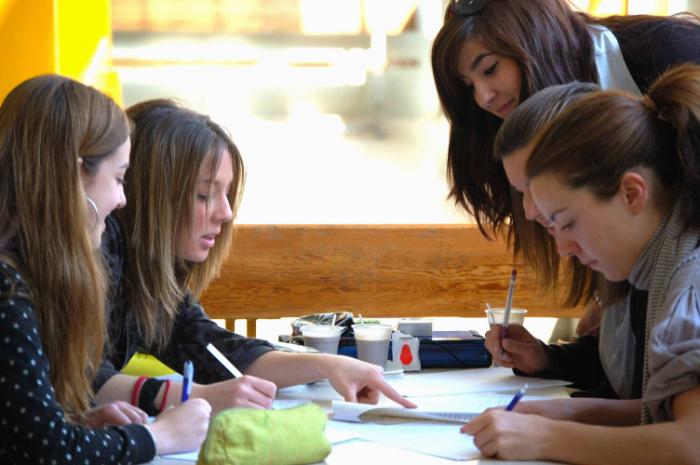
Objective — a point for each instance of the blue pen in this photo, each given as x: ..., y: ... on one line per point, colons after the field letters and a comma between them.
x: 187, y: 375
x: 519, y: 395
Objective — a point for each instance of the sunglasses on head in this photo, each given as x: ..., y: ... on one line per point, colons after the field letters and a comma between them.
x: 467, y: 7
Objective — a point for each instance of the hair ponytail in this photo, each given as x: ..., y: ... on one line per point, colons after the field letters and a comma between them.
x: 675, y: 99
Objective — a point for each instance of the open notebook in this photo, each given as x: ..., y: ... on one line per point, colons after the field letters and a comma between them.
x: 454, y: 409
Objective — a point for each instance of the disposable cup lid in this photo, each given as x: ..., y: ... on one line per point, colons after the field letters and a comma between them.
x: 322, y: 330
x: 372, y: 331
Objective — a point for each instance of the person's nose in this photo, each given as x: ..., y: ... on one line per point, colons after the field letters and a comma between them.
x: 121, y: 202
x: 222, y: 211
x: 484, y: 94
x: 566, y: 247
x: 531, y: 211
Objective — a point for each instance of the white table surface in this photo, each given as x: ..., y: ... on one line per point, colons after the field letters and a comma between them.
x: 363, y: 452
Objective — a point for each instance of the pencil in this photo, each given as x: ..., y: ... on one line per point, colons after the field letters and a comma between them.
x: 509, y: 303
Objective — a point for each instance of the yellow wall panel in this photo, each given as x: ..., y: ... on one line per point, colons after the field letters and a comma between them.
x: 27, y: 37
x: 68, y: 37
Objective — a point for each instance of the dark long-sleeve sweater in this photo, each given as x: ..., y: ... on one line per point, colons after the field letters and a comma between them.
x: 192, y: 331
x: 33, y: 426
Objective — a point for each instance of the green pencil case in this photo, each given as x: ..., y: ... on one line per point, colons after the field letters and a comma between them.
x: 273, y: 437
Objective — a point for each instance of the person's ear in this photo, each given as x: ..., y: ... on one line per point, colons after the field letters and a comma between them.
x: 84, y: 175
x: 634, y: 189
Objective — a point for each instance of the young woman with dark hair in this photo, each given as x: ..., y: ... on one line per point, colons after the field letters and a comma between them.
x: 491, y: 55
x: 618, y: 178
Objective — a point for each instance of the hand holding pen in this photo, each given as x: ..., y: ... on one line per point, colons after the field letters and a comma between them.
x: 241, y: 391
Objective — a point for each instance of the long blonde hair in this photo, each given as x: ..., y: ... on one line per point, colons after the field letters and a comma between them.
x: 46, y: 124
x: 169, y: 145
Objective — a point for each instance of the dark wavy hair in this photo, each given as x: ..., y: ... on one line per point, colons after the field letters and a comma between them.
x: 551, y: 45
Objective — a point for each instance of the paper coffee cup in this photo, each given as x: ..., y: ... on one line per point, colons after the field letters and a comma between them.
x: 373, y: 342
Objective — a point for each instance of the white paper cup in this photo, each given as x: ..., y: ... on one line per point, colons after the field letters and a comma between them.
x: 496, y: 315
x: 373, y: 342
x: 323, y: 338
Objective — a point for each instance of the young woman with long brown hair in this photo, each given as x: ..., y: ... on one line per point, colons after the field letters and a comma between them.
x: 491, y: 55
x: 64, y: 151
x: 164, y: 248
x: 617, y: 176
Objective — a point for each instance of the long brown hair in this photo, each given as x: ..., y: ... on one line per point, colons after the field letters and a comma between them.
x: 550, y: 44
x: 530, y: 239
x: 46, y: 124
x: 660, y: 131
x: 169, y: 145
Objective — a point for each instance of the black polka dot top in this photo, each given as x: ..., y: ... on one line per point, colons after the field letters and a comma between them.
x: 33, y: 427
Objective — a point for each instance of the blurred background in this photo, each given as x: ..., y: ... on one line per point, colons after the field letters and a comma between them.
x: 331, y: 102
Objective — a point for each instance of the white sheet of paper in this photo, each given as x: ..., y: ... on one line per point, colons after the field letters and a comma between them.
x: 463, y: 381
x: 186, y: 456
x: 436, y: 439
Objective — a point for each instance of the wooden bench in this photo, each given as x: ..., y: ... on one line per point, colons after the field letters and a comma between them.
x: 378, y: 270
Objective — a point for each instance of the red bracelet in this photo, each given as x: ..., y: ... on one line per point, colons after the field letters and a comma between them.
x: 136, y: 390
x: 165, y: 395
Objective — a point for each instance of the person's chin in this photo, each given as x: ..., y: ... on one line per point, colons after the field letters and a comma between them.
x: 614, y: 276
x: 200, y: 256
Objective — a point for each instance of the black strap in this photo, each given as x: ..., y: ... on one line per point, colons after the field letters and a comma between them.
x: 148, y: 394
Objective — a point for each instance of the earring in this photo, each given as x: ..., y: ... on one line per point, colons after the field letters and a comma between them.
x: 93, y: 208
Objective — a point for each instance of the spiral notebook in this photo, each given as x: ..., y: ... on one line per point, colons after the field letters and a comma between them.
x: 449, y: 409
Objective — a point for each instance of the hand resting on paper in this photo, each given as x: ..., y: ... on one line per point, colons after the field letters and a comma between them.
x: 181, y: 428
x: 520, y: 350
x: 509, y: 435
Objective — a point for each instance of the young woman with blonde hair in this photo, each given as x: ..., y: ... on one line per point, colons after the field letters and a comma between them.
x: 164, y: 248
x: 64, y: 151
x: 617, y: 176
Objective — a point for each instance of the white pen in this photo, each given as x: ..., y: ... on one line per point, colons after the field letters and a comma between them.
x: 224, y: 361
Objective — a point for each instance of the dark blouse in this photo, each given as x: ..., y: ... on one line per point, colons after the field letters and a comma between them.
x: 192, y: 331
x: 33, y: 426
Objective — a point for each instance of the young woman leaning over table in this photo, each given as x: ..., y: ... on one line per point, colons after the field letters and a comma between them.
x: 164, y: 248
x: 617, y: 176
x: 492, y: 55
x: 64, y: 150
